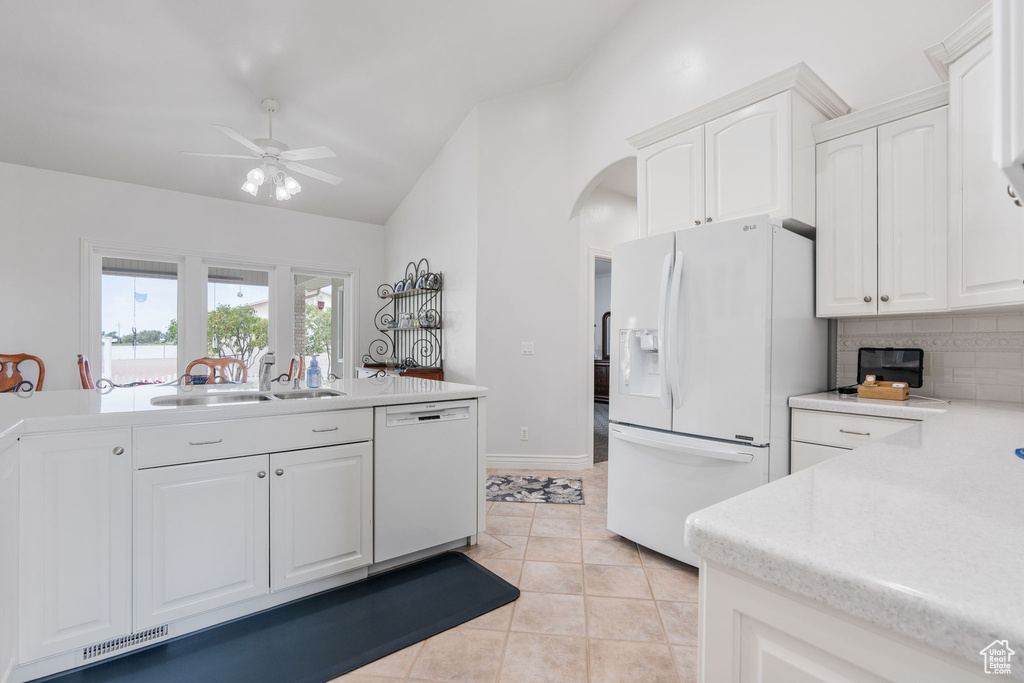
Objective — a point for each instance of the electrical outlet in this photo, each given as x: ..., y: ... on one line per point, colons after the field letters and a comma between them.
x: 527, y: 348
x: 524, y: 433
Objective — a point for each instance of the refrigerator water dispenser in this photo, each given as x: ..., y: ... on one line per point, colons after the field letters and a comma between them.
x: 639, y: 365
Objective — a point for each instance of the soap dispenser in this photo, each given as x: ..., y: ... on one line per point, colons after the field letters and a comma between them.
x: 314, y: 377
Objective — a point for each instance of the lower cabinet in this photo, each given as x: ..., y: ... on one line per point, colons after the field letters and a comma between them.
x: 74, y: 541
x: 214, y: 533
x: 818, y: 435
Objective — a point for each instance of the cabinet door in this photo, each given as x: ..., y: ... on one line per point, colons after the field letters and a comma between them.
x: 847, y: 223
x: 804, y: 455
x: 321, y: 513
x: 670, y: 177
x: 201, y: 537
x: 986, y: 251
x: 75, y: 500
x: 748, y: 165
x: 912, y: 215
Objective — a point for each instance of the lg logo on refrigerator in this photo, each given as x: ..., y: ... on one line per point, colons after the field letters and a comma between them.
x: 749, y: 227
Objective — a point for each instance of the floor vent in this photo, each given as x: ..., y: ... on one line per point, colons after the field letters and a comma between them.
x: 124, y: 642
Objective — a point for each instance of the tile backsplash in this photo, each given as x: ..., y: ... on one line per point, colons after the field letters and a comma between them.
x: 965, y: 356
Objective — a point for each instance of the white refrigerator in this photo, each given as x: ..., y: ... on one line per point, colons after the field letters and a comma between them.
x: 714, y: 330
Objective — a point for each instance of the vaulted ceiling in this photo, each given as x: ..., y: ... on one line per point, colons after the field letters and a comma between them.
x: 117, y: 88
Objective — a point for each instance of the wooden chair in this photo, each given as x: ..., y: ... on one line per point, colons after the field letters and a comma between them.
x: 221, y: 370
x: 296, y: 360
x: 10, y: 375
x: 84, y: 373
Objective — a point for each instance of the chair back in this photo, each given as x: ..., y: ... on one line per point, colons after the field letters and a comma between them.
x: 297, y: 362
x: 221, y: 370
x: 84, y: 374
x: 10, y: 374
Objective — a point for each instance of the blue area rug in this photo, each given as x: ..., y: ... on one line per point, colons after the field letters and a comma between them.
x: 320, y: 637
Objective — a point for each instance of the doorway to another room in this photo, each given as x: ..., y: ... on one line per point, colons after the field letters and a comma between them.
x: 602, y: 350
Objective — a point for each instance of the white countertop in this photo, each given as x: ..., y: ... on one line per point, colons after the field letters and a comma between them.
x: 49, y: 411
x: 921, y: 533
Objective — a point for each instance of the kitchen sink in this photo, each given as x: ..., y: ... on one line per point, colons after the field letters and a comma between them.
x: 210, y: 399
x: 310, y: 393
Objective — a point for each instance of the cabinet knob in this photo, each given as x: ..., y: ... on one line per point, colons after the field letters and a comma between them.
x: 118, y: 450
x: 867, y: 299
x: 708, y: 219
x: 279, y: 472
x: 1009, y: 191
x: 697, y: 222
x: 261, y: 474
x: 885, y: 297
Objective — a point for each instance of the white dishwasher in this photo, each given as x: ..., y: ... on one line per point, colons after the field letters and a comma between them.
x: 425, y: 479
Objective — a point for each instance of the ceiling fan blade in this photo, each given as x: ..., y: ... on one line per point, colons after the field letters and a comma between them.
x: 308, y: 153
x: 222, y: 156
x: 312, y: 172
x: 241, y: 139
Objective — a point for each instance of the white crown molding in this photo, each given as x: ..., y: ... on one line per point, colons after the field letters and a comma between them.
x: 799, y: 78
x: 957, y: 43
x: 538, y: 462
x: 893, y: 110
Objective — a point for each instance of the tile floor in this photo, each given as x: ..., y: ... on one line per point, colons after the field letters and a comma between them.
x: 594, y: 606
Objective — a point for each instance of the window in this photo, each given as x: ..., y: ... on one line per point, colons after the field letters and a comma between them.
x: 138, y: 320
x: 319, y: 320
x: 238, y: 315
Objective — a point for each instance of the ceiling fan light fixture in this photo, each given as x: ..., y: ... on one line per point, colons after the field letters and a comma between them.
x: 281, y: 193
x: 257, y: 176
x: 292, y: 185
x: 250, y: 187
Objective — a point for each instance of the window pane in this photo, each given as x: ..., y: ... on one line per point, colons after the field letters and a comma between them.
x: 319, y: 321
x: 138, y: 317
x: 238, y: 315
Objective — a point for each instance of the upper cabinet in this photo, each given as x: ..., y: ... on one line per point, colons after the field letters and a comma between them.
x: 748, y: 153
x: 1008, y: 44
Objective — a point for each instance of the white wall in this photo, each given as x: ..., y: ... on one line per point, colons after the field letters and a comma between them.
x: 437, y: 220
x: 667, y: 57
x: 45, y: 214
x: 602, y: 305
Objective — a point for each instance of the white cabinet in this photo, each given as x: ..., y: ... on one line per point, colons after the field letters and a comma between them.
x: 881, y: 242
x: 818, y: 435
x: 201, y: 537
x: 1008, y: 41
x: 847, y: 227
x: 986, y: 250
x: 321, y: 508
x: 74, y: 554
x: 670, y: 175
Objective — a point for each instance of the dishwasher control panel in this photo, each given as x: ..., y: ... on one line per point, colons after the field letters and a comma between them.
x: 421, y: 413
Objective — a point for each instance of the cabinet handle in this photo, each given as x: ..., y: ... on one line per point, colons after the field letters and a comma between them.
x: 1013, y: 195
x: 708, y: 219
x: 847, y: 431
x: 885, y: 297
x: 867, y: 299
x: 279, y: 472
x: 261, y: 474
x: 204, y: 443
x: 697, y: 222
x: 118, y: 450
x: 329, y: 429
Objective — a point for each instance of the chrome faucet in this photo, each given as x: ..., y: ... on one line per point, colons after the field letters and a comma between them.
x: 266, y: 363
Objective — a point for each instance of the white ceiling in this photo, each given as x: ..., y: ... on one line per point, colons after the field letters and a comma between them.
x: 116, y: 89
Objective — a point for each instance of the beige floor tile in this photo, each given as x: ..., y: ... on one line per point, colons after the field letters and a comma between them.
x: 596, y: 529
x: 460, y: 655
x: 540, y: 549
x: 506, y: 569
x: 680, y: 620
x: 550, y: 613
x: 536, y: 657
x: 395, y: 665
x: 599, y: 480
x: 655, y: 560
x: 555, y: 527
x: 614, y: 662
x: 486, y: 545
x: 597, y: 495
x: 624, y: 619
x: 508, y: 526
x: 356, y: 677
x: 616, y: 582
x: 504, y: 509
x: 495, y: 620
x: 594, y: 512
x: 559, y: 510
x: 515, y: 551
x: 677, y: 584
x: 552, y: 577
x: 686, y: 662
x: 610, y: 552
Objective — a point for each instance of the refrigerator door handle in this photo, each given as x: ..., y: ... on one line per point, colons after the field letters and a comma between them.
x: 677, y: 448
x: 674, y: 359
x: 665, y: 391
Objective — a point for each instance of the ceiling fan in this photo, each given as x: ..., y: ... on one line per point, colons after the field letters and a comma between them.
x: 274, y: 157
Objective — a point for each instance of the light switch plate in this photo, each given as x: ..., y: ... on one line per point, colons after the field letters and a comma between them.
x: 527, y: 348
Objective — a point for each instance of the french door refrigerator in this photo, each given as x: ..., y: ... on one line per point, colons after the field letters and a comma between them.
x: 714, y: 330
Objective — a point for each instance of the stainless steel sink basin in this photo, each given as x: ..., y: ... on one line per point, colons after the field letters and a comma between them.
x: 210, y: 399
x: 310, y: 393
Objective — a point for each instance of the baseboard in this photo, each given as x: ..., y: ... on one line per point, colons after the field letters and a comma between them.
x: 539, y: 462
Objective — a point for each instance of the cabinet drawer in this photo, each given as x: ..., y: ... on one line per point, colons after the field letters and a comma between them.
x: 803, y: 455
x: 842, y: 429
x: 196, y: 442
